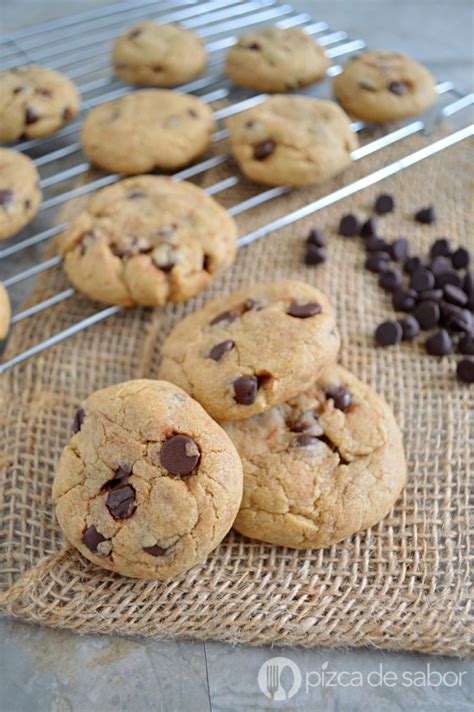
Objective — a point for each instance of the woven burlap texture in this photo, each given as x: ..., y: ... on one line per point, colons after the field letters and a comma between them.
x: 405, y: 584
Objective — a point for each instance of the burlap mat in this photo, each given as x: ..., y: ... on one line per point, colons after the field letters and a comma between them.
x: 403, y: 584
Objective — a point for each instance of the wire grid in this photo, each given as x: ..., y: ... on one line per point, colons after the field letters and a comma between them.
x: 80, y: 47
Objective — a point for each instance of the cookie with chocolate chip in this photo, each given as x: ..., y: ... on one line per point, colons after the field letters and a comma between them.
x: 34, y: 102
x: 5, y: 312
x: 320, y: 467
x: 147, y: 129
x: 276, y: 59
x: 20, y: 194
x: 292, y: 140
x: 149, y: 484
x: 253, y: 349
x: 384, y: 86
x: 158, y: 55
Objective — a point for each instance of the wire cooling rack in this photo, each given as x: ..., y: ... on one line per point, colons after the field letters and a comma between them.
x: 80, y: 46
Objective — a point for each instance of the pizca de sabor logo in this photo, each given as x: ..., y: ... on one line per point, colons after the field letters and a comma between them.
x: 279, y: 678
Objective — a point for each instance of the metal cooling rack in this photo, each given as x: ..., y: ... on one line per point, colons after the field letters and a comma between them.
x: 80, y: 46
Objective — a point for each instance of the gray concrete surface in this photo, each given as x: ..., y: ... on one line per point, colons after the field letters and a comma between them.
x: 42, y: 670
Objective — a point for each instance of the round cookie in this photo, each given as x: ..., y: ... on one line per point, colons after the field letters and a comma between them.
x: 148, y: 240
x: 384, y: 86
x: 158, y: 55
x: 320, y: 467
x: 276, y: 59
x: 35, y: 101
x: 292, y: 140
x: 253, y: 349
x: 148, y: 129
x: 149, y: 484
x: 20, y: 195
x: 5, y: 312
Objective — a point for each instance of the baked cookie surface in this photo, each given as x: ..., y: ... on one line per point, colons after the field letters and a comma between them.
x: 158, y: 55
x: 35, y: 101
x: 384, y: 86
x: 20, y: 195
x: 149, y: 484
x: 253, y: 349
x: 5, y: 312
x: 292, y: 140
x: 148, y: 240
x: 276, y: 59
x: 147, y: 129
x: 320, y: 467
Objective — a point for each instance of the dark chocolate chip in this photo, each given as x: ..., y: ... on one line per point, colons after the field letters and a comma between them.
x: 377, y: 262
x: 468, y: 283
x: 193, y: 113
x: 303, y: 311
x: 368, y: 228
x: 316, y: 238
x: 410, y: 328
x: 263, y: 149
x: 399, y: 249
x: 304, y: 440
x: 245, y: 390
x: 31, y: 117
x: 155, y: 550
x: 78, y: 420
x: 455, y: 295
x: 92, y: 538
x: 314, y: 255
x: 435, y: 295
x: 6, y: 197
x: 427, y: 314
x: 134, y: 33
x: 391, y: 280
x: 217, y: 351
x: 253, y: 46
x: 413, y: 264
x: 398, y: 88
x: 17, y: 90
x: 180, y: 455
x: 450, y: 276
x: 384, y: 204
x: 421, y: 280
x: 121, y: 501
x: 439, y: 264
x: 120, y: 474
x: 441, y: 248
x: 341, y: 397
x: 456, y: 319
x: 248, y: 305
x: 388, y: 333
x: 67, y: 114
x: 27, y: 203
x: 376, y: 244
x: 426, y: 216
x: 349, y: 225
x: 466, y: 345
x: 439, y: 344
x: 461, y: 258
x: 230, y: 316
x: 465, y: 370
x: 404, y: 300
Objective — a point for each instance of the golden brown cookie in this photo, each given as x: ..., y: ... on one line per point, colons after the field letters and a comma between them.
x: 5, y: 312
x: 384, y: 86
x: 148, y: 240
x: 320, y: 467
x: 276, y: 59
x: 253, y: 349
x: 147, y: 129
x: 292, y: 140
x: 20, y: 195
x: 158, y: 55
x: 149, y: 484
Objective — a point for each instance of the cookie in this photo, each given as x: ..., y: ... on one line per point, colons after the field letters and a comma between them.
x: 276, y: 59
x: 320, y: 467
x: 253, y: 349
x: 149, y: 484
x: 148, y: 129
x: 384, y: 86
x: 5, y: 312
x: 158, y: 55
x: 35, y: 101
x: 292, y: 140
x: 20, y: 195
x: 148, y: 240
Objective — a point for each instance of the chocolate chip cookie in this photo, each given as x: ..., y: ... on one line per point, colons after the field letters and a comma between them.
x: 148, y: 240
x: 35, y: 101
x: 158, y: 55
x: 20, y: 195
x: 276, y: 59
x: 149, y: 484
x: 5, y: 312
x: 321, y: 466
x: 384, y: 86
x: 292, y: 140
x: 253, y: 349
x: 148, y: 129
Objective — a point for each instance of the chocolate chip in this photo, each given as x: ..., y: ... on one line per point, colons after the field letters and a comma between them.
x: 121, y: 502
x: 6, y: 197
x: 413, y: 264
x: 410, y: 328
x: 314, y: 255
x: 368, y: 228
x: 398, y: 88
x: 155, y: 550
x: 450, y: 276
x: 441, y: 248
x: 43, y: 92
x: 253, y: 46
x: 465, y: 370
x: 304, y: 440
x: 426, y: 216
x: 17, y: 90
x: 78, y: 420
x: 439, y: 264
x: 245, y: 390
x: 435, y: 295
x: 316, y: 238
x: 377, y: 262
x: 427, y: 314
x: 455, y: 295
x: 193, y: 113
x: 466, y: 345
x: 439, y: 344
x: 391, y: 279
x: 399, y: 249
x: 421, y: 280
x: 31, y: 117
x: 376, y: 244
x: 67, y: 114
x: 120, y: 474
x: 404, y: 300
x: 134, y: 33
x: 468, y: 283
x: 455, y: 318
x: 388, y: 333
x: 230, y: 316
x: 217, y: 351
x: 303, y: 311
x: 92, y: 538
x: 461, y: 258
x: 248, y: 305
x: 180, y: 455
x: 263, y: 149
x: 27, y: 203
x: 384, y: 204
x: 349, y: 225
x: 341, y: 396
